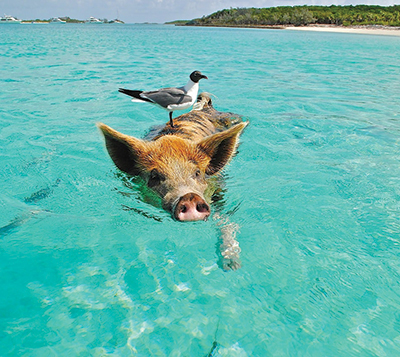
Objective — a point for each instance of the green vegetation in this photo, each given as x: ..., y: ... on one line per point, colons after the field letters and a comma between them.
x: 177, y: 22
x: 71, y: 21
x: 358, y: 15
x: 37, y: 21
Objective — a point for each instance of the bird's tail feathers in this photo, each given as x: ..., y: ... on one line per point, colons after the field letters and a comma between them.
x: 135, y: 100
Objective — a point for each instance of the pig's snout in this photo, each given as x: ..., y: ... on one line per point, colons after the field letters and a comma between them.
x: 191, y: 207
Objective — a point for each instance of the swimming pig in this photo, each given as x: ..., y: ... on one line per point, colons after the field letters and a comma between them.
x: 177, y: 162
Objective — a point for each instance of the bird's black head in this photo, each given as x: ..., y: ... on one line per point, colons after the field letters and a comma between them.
x: 196, y: 76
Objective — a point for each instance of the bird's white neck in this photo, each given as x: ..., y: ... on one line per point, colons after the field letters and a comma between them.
x: 191, y: 88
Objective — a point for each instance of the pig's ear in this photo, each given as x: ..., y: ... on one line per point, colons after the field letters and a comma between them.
x: 221, y: 147
x: 124, y: 150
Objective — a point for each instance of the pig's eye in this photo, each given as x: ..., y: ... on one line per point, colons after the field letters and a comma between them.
x: 155, y: 178
x: 197, y: 174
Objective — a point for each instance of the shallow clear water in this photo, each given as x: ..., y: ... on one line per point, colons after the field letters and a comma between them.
x: 88, y: 268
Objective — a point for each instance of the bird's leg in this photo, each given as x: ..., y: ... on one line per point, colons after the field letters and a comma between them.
x: 171, y: 121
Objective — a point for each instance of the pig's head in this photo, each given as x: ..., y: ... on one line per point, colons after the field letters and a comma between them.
x: 175, y: 168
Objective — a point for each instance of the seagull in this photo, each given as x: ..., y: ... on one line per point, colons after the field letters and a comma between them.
x: 170, y: 98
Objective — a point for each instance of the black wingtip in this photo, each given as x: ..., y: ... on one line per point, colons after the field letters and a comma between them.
x: 133, y: 93
x: 122, y: 90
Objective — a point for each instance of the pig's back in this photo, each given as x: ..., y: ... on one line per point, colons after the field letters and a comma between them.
x: 199, y: 123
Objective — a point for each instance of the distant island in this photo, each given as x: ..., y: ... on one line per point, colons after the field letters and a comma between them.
x: 64, y: 19
x: 358, y: 15
x: 68, y: 20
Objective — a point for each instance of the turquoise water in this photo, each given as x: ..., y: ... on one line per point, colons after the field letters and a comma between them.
x: 88, y: 268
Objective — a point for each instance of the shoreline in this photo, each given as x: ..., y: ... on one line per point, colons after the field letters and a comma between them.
x: 365, y: 30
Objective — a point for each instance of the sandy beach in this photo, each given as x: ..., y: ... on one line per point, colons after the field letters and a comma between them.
x: 366, y: 30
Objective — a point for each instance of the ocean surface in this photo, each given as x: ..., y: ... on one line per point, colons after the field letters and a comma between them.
x: 89, y: 268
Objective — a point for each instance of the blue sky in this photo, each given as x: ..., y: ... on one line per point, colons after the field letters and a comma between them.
x: 148, y: 10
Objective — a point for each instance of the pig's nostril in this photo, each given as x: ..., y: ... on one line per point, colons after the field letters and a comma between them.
x: 202, y: 207
x: 183, y: 209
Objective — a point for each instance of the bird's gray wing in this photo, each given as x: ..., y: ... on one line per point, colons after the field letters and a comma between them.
x: 168, y: 96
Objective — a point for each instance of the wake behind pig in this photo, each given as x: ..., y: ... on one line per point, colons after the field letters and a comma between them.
x: 178, y: 162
